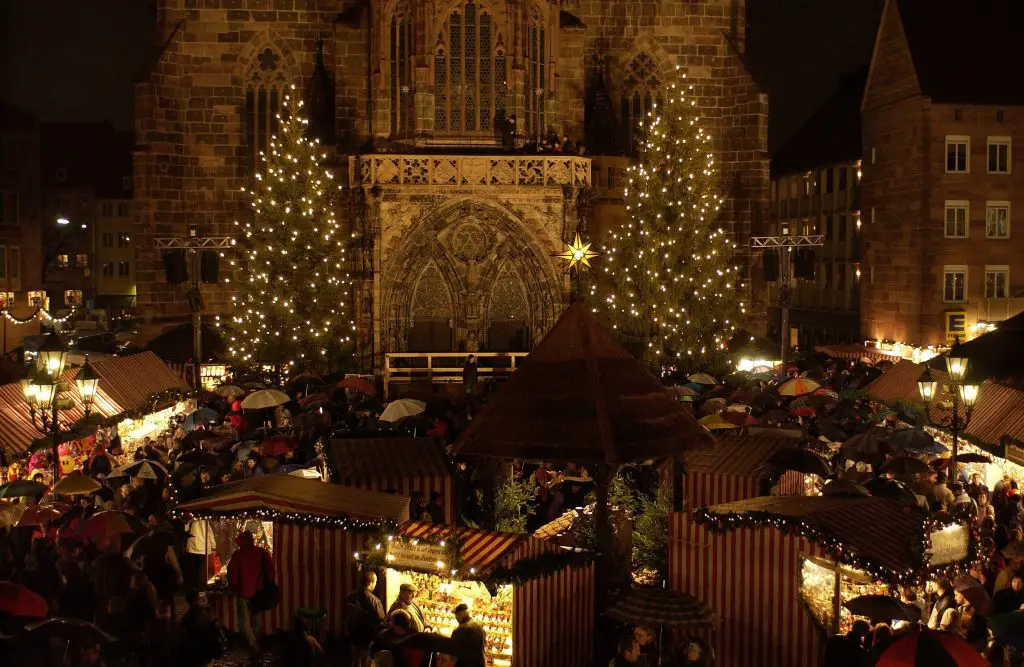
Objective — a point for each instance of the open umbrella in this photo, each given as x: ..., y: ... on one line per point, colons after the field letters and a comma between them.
x: 713, y: 405
x: 798, y: 387
x: 800, y: 460
x: 884, y: 608
x: 702, y: 378
x: 21, y: 602
x: 867, y: 446
x: 253, y: 386
x: 201, y: 416
x: 21, y: 488
x: 356, y: 383
x: 265, y: 398
x: 825, y: 391
x: 229, y: 391
x: 76, y: 484
x: 684, y: 391
x: 1013, y: 551
x: 715, y: 422
x: 975, y: 594
x: 905, y: 465
x: 740, y: 419
x: 762, y: 376
x: 10, y: 513
x: 35, y: 515
x: 736, y: 379
x: 276, y: 446
x: 106, y: 524
x: 891, y: 489
x: 830, y: 430
x: 971, y: 457
x: 402, y: 408
x: 70, y: 630
x: 820, y: 400
x: 311, y: 401
x: 803, y: 411
x: 661, y: 607
x: 152, y: 543
x: 765, y: 400
x: 200, y: 457
x: 925, y: 648
x: 145, y: 469
x: 844, y: 487
x: 195, y: 437
x: 1008, y: 628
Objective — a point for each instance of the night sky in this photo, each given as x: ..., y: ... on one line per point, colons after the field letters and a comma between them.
x: 77, y: 59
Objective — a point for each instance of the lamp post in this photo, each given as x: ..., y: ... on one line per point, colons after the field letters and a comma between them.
x: 87, y: 380
x: 42, y: 390
x: 964, y: 392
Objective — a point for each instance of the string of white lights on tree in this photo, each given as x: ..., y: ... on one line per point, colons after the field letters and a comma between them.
x: 670, y: 278
x: 293, y: 288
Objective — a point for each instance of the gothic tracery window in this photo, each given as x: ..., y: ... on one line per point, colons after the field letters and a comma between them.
x: 469, y: 72
x: 536, y: 71
x: 265, y: 90
x: 640, y: 92
x: 401, y: 84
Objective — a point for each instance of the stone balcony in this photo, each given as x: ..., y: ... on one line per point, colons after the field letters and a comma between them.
x: 469, y: 170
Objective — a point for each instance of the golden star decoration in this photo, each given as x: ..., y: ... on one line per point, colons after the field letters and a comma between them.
x: 577, y: 255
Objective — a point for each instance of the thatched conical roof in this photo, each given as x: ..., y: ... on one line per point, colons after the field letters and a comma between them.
x: 580, y: 396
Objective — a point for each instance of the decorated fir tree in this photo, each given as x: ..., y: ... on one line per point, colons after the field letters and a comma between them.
x: 291, y: 280
x: 670, y: 281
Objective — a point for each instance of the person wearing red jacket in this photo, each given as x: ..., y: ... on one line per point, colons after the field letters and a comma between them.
x: 250, y: 569
x: 235, y: 418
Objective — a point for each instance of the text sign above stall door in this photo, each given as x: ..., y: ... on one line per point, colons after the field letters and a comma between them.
x: 1015, y: 454
x: 949, y: 545
x: 417, y: 557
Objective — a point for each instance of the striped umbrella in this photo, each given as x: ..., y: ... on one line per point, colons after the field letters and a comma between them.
x: 925, y: 648
x: 658, y: 606
x: 798, y: 387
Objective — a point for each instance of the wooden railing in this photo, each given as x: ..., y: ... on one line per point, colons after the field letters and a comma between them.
x: 445, y: 367
x: 461, y: 170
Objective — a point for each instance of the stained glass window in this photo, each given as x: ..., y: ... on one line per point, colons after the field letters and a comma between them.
x: 640, y: 87
x: 535, y: 79
x: 401, y: 86
x: 264, y: 95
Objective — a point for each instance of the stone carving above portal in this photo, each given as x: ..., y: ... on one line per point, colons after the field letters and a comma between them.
x: 508, y: 297
x: 431, y: 298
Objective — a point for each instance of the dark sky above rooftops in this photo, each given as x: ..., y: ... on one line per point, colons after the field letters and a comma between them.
x: 75, y: 60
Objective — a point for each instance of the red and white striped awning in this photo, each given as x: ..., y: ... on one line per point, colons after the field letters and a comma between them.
x: 855, y: 352
x: 481, y: 550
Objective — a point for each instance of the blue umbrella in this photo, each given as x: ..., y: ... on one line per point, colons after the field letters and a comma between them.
x: 201, y: 416
x: 695, y: 386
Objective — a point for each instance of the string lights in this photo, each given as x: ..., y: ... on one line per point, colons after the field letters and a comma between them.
x: 38, y: 314
x: 343, y: 522
x: 670, y: 278
x: 291, y: 298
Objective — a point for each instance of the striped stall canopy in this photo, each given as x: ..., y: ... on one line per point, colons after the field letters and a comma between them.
x: 129, y: 381
x: 855, y: 352
x: 750, y: 579
x: 402, y: 465
x: 481, y: 550
x: 731, y: 470
x: 296, y: 495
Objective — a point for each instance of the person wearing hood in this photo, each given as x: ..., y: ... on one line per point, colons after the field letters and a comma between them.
x: 235, y: 418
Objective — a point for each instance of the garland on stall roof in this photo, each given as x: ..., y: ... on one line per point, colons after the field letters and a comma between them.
x: 40, y: 314
x: 316, y: 520
x: 833, y: 546
x: 544, y: 565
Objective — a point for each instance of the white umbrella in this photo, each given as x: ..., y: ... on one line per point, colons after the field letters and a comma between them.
x: 306, y: 473
x: 702, y: 378
x: 146, y: 471
x: 229, y: 391
x: 402, y: 408
x: 265, y: 398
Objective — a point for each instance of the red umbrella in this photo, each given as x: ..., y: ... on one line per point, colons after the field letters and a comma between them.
x: 803, y: 411
x: 35, y: 515
x: 357, y: 384
x: 925, y: 648
x: 314, y: 398
x: 103, y: 525
x: 20, y: 602
x: 739, y: 418
x: 277, y: 445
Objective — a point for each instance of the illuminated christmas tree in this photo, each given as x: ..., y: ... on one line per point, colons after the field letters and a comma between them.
x: 670, y: 282
x: 292, y: 288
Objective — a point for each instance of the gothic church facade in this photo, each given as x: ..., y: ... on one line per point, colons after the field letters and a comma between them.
x: 425, y: 108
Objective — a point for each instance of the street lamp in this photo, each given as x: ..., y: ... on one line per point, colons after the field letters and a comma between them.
x: 42, y: 390
x: 962, y: 390
x: 53, y: 355
x: 87, y: 379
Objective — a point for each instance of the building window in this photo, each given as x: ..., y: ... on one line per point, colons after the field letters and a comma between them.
x: 123, y: 210
x: 954, y: 284
x: 842, y: 226
x: 108, y: 269
x: 536, y: 77
x: 828, y: 274
x: 843, y: 175
x: 956, y: 219
x: 62, y: 261
x: 82, y: 261
x: 73, y: 297
x: 469, y: 72
x: 126, y: 182
x: 124, y: 240
x: 841, y: 275
x: 264, y: 95
x: 640, y: 87
x: 958, y: 152
x: 10, y: 208
x: 997, y: 282
x: 401, y: 77
x: 107, y: 239
x: 997, y: 219
x: 999, y: 155
x: 122, y: 269
x: 828, y: 227
x: 107, y: 209
x: 829, y: 177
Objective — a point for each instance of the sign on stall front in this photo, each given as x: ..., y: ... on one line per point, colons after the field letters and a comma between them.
x: 949, y: 545
x: 420, y: 556
x: 1015, y: 453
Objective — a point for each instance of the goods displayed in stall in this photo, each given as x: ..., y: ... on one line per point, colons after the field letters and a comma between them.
x: 818, y: 590
x: 535, y: 601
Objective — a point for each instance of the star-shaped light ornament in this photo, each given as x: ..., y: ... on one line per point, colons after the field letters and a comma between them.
x: 577, y: 255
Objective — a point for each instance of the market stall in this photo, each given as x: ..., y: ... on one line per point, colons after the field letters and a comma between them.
x: 535, y: 600
x: 313, y: 530
x: 733, y: 469
x: 409, y: 466
x: 776, y: 569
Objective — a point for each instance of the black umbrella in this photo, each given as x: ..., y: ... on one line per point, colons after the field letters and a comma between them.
x: 844, y: 487
x: 911, y: 438
x: 1008, y: 628
x: 70, y: 630
x: 21, y: 488
x: 765, y: 400
x: 154, y: 543
x: 800, y: 460
x: 200, y: 457
x: 884, y: 608
x: 193, y: 438
x: 891, y: 489
x: 830, y: 430
x: 905, y: 465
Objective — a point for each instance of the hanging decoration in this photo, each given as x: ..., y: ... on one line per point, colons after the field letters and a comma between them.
x: 40, y: 314
x: 343, y: 522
